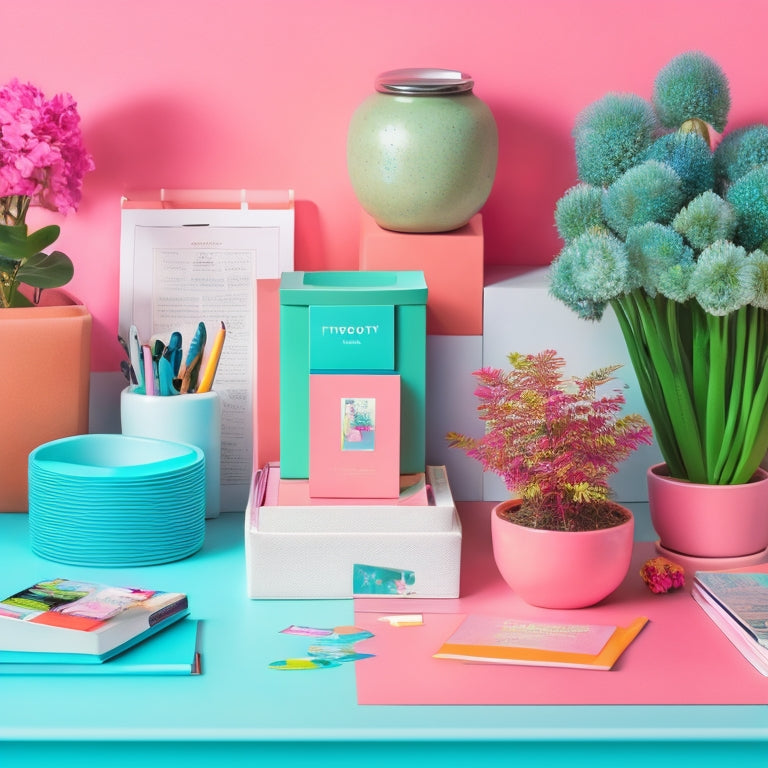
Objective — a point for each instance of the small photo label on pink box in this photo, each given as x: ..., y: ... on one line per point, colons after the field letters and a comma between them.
x: 354, y: 435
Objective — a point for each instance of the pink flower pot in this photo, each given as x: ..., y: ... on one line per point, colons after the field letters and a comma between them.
x: 557, y: 569
x: 709, y: 521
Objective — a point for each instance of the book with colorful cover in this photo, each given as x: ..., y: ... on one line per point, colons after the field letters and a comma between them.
x: 78, y: 617
x: 498, y: 640
x: 174, y: 651
x: 737, y: 602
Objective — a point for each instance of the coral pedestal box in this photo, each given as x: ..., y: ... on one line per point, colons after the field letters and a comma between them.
x: 452, y: 263
x: 310, y: 550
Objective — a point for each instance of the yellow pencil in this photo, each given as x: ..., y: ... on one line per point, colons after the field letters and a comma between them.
x: 213, y: 361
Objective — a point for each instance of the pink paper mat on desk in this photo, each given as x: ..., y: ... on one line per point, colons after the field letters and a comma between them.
x: 680, y: 657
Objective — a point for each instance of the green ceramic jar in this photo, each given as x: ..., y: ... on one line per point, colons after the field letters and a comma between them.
x: 422, y: 151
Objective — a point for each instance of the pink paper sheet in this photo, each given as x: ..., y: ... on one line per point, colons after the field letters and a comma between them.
x: 680, y: 657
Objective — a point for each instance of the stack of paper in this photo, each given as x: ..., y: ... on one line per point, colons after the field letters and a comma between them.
x: 497, y: 640
x: 738, y: 603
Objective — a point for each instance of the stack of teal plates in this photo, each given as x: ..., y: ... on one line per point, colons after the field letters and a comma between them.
x: 114, y: 500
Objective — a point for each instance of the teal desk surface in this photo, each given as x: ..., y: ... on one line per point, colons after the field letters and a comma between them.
x: 239, y: 709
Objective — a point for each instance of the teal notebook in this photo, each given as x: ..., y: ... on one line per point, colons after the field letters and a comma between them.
x: 174, y: 651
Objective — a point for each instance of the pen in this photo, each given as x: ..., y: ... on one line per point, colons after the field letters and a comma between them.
x: 174, y: 347
x: 213, y: 361
x: 165, y: 374
x: 191, y: 368
x: 137, y: 364
x: 149, y: 370
x: 125, y: 365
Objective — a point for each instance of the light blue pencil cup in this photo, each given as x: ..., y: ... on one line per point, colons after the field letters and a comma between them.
x: 194, y: 419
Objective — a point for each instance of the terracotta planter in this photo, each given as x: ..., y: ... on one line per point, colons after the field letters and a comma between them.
x: 45, y: 361
x: 709, y: 521
x: 556, y: 569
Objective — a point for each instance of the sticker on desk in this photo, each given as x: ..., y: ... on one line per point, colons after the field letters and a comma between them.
x: 341, y: 634
x: 330, y: 648
x: 290, y: 665
x: 404, y: 620
x: 340, y: 653
x: 378, y: 580
x: 296, y: 629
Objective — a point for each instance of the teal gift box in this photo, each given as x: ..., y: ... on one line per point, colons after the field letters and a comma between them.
x: 351, y: 322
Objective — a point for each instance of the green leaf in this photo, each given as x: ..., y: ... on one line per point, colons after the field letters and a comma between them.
x: 13, y: 242
x: 42, y: 238
x: 46, y: 270
x: 20, y: 300
x: 8, y: 263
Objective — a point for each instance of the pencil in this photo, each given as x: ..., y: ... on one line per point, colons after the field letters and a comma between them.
x: 213, y: 361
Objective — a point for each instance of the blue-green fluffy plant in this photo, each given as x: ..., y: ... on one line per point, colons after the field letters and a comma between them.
x: 672, y: 235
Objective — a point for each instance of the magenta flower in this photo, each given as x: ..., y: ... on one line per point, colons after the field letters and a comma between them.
x: 42, y: 155
x: 662, y: 575
x: 42, y: 162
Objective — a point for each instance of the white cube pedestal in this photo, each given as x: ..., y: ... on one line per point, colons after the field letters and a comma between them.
x: 452, y: 407
x: 521, y: 316
x: 290, y: 561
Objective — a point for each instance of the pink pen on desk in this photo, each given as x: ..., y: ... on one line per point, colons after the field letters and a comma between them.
x: 149, y: 370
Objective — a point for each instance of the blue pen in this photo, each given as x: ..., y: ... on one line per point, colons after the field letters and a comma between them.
x: 194, y: 358
x: 165, y: 373
x: 174, y: 344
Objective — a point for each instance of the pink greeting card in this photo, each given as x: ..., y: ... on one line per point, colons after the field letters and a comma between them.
x: 354, y: 435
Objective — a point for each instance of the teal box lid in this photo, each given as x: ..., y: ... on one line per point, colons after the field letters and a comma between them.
x: 353, y: 287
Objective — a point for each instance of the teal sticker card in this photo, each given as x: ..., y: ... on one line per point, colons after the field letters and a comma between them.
x: 375, y: 580
x: 352, y: 337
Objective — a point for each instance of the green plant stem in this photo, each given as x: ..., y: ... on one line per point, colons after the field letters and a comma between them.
x: 738, y: 389
x: 628, y: 315
x: 664, y: 362
x: 704, y: 379
x: 714, y: 424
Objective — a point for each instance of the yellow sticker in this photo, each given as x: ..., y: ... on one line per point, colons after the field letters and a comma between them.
x: 296, y: 664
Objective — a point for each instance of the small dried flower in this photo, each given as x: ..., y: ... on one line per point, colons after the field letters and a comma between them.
x: 662, y: 575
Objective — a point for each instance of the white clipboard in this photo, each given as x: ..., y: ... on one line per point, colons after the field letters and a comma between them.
x: 195, y: 255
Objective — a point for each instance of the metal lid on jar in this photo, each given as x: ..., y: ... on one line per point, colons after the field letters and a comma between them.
x: 423, y: 82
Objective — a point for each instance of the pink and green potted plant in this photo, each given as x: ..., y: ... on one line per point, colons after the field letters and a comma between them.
x: 562, y: 542
x: 42, y: 344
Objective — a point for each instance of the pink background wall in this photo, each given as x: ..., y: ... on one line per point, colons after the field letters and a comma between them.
x: 258, y: 94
